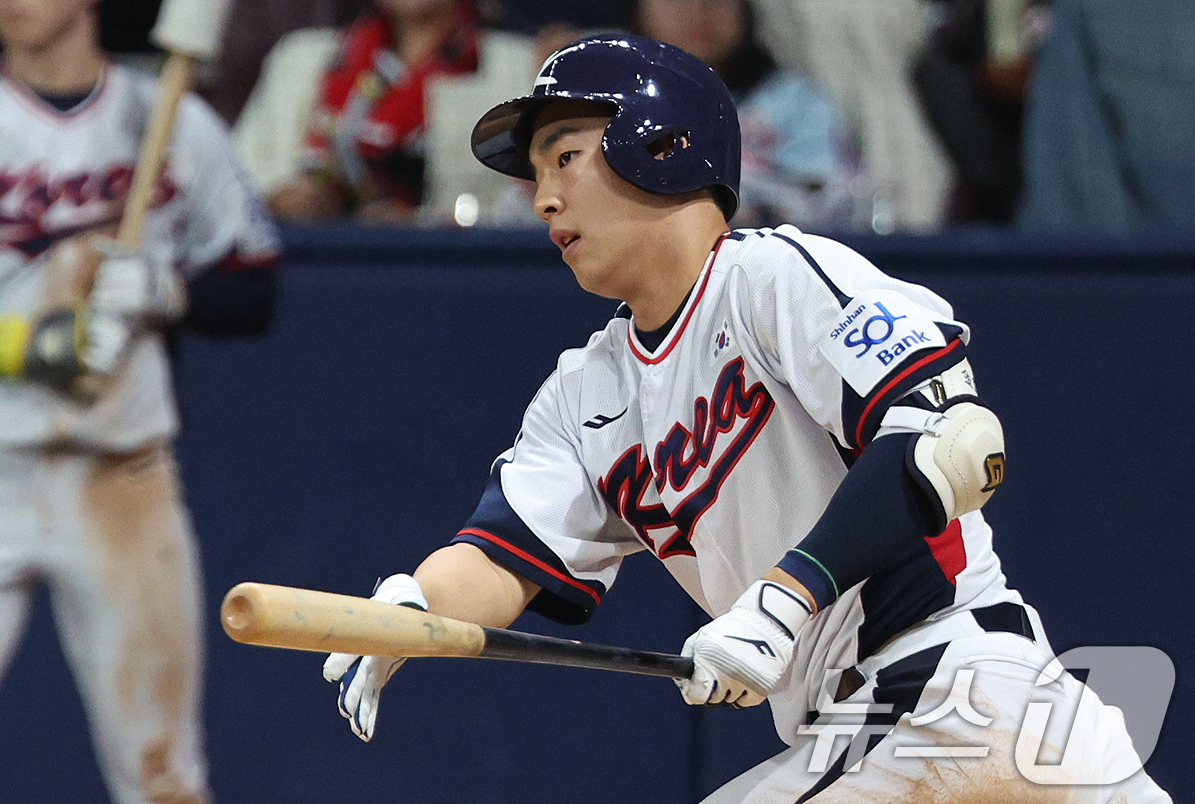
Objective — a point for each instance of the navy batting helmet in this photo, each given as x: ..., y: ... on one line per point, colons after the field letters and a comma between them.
x: 674, y: 127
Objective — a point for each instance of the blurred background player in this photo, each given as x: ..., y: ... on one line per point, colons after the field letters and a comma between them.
x: 89, y: 498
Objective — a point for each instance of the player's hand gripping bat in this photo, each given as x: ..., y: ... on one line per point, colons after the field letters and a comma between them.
x: 304, y: 619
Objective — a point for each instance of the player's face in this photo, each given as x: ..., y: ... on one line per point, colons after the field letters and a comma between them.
x: 709, y: 29
x: 601, y: 222
x: 36, y: 24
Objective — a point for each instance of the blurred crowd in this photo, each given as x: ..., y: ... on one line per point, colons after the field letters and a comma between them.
x: 857, y: 115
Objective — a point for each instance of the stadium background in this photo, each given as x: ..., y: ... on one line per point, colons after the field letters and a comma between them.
x: 356, y: 435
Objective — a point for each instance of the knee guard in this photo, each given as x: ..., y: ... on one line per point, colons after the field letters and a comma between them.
x: 959, y: 456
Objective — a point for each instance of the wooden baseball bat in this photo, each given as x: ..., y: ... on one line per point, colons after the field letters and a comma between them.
x: 305, y: 619
x: 172, y: 86
x: 188, y: 30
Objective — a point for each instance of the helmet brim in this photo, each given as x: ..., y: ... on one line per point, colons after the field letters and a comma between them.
x: 502, y: 136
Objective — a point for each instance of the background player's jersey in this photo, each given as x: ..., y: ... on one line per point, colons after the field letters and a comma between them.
x: 719, y: 451
x: 62, y: 174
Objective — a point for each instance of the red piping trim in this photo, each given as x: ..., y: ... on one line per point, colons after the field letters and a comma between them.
x: 651, y: 361
x: 235, y: 262
x: 896, y: 380
x: 523, y: 554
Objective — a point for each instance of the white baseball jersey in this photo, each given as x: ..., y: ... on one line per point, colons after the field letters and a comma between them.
x: 63, y: 173
x: 719, y: 450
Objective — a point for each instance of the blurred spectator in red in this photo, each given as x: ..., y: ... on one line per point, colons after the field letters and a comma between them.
x: 363, y: 153
x: 801, y: 163
x: 972, y: 80
x: 256, y: 26
x: 862, y: 51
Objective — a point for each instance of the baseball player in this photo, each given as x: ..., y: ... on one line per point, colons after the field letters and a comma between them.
x: 89, y: 497
x: 795, y: 435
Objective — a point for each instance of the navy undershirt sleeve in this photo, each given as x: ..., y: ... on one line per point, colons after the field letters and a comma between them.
x: 226, y: 301
x: 873, y: 517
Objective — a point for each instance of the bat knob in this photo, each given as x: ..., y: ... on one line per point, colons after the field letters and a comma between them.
x: 240, y: 613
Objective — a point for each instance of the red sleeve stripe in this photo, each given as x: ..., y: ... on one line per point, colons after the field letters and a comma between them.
x: 950, y: 551
x: 530, y: 559
x: 892, y: 383
x: 235, y: 261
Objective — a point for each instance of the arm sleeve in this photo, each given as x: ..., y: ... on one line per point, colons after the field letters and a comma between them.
x: 542, y: 517
x: 231, y: 299
x: 851, y: 342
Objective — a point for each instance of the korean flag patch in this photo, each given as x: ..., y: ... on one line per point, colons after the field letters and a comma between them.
x: 875, y: 333
x: 722, y: 339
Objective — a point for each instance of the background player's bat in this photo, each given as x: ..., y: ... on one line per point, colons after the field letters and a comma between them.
x: 304, y: 619
x: 188, y: 30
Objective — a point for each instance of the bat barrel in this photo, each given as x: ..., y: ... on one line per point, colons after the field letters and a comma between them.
x: 520, y: 647
x: 306, y: 619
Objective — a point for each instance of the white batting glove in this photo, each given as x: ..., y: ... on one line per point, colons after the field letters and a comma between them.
x: 129, y: 284
x: 108, y: 334
x: 362, y: 677
x: 740, y: 657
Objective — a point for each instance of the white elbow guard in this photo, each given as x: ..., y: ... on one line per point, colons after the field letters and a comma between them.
x: 959, y: 454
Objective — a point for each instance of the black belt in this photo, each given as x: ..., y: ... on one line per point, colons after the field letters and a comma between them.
x: 1007, y: 618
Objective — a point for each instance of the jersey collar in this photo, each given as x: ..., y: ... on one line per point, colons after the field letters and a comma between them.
x: 35, y: 103
x: 666, y: 346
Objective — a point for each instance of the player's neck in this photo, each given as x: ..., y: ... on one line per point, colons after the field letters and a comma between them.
x: 674, y: 263
x: 71, y: 62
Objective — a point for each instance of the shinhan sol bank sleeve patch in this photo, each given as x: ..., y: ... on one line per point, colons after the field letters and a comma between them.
x: 874, y: 334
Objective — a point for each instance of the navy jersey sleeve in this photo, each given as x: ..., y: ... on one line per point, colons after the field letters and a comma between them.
x: 542, y: 517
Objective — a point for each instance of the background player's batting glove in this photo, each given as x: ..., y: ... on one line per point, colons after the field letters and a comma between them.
x: 130, y: 290
x: 131, y: 284
x: 740, y: 657
x: 362, y: 677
